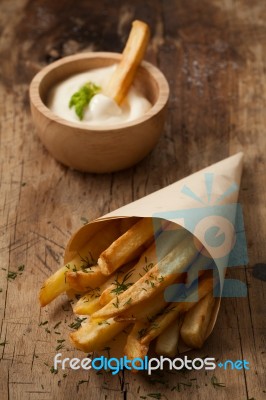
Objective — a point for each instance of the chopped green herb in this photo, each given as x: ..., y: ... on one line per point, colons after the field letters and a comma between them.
x: 1, y: 290
x: 105, y: 322
x: 53, y: 370
x: 12, y: 275
x: 59, y: 347
x: 88, y: 261
x: 128, y: 301
x: 82, y: 98
x: 3, y: 343
x: 116, y: 304
x: 77, y: 324
x: 23, y: 183
x: 60, y: 340
x: 147, y: 266
x: 93, y: 293
x: 57, y: 325
x: 120, y: 287
x: 47, y: 330
x: 43, y: 323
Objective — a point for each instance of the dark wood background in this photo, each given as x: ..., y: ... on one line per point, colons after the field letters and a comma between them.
x: 213, y: 54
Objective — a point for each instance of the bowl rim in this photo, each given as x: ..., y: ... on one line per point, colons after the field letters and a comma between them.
x: 36, y: 100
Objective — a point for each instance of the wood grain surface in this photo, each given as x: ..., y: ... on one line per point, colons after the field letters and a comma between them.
x: 213, y: 53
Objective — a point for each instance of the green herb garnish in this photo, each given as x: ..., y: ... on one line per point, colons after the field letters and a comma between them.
x: 105, y: 322
x: 53, y: 370
x: 120, y: 287
x: 82, y: 98
x: 77, y: 324
x: 57, y: 325
x: 12, y: 275
x: 116, y: 304
x: 87, y: 262
x: 43, y: 323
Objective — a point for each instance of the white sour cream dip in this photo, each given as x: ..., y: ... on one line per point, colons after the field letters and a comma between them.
x: 102, y: 110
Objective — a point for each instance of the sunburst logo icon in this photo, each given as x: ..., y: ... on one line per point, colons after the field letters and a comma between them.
x: 216, y: 220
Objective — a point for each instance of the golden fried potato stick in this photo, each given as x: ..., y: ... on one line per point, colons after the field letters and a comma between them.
x: 167, y: 341
x: 158, y: 249
x: 56, y: 283
x: 93, y: 336
x: 127, y: 247
x: 172, y: 312
x: 90, y: 301
x: 145, y: 310
x: 133, y: 348
x: 87, y: 305
x: 154, y: 281
x: 82, y: 281
x: 196, y: 322
x: 132, y: 56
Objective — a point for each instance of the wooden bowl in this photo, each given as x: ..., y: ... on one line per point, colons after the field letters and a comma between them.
x: 98, y: 149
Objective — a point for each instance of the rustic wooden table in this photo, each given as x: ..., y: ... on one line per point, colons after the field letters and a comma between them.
x: 213, y: 54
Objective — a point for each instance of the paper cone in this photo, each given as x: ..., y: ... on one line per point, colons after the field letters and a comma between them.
x: 201, y: 202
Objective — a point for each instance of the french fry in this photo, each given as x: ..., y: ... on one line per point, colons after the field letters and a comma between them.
x: 84, y: 306
x: 132, y: 56
x: 56, y: 283
x: 87, y: 304
x: 164, y: 243
x: 167, y: 341
x: 148, y: 308
x: 93, y: 336
x: 154, y: 281
x: 172, y: 312
x: 144, y: 310
x: 196, y: 322
x: 133, y: 348
x: 82, y: 281
x: 126, y: 247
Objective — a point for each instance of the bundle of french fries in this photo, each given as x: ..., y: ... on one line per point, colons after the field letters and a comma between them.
x: 146, y: 274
